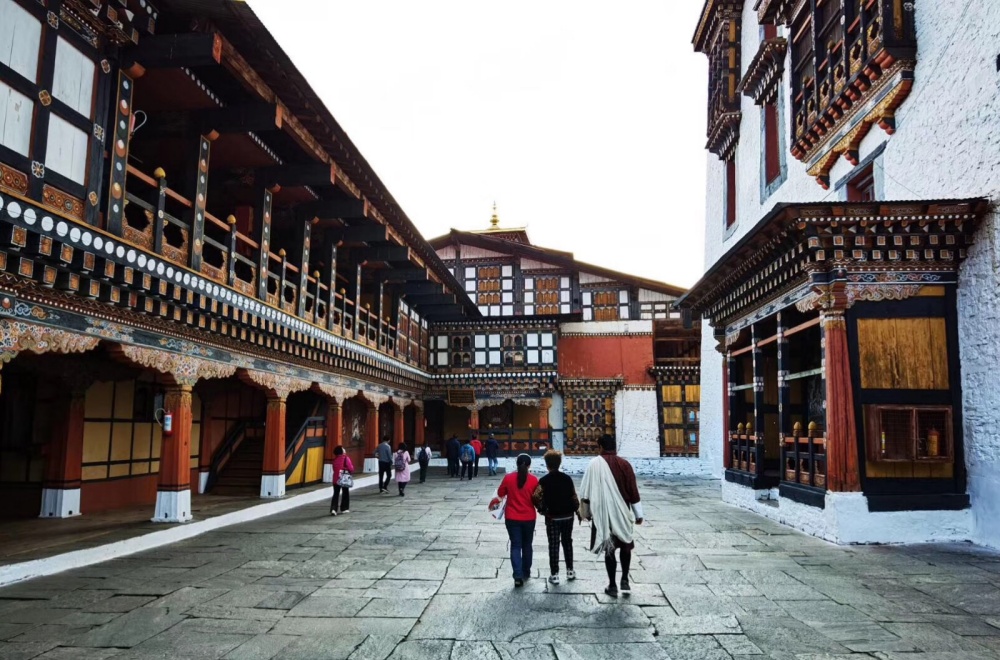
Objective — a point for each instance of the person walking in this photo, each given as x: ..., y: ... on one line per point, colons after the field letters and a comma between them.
x: 610, y: 498
x: 478, y: 448
x: 467, y: 456
x: 556, y: 499
x: 401, y: 463
x: 492, y: 450
x: 424, y: 456
x: 519, y: 517
x: 341, y: 463
x: 384, y: 455
x: 452, y: 448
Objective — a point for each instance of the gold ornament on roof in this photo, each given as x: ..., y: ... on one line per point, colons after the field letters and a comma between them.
x: 494, y: 219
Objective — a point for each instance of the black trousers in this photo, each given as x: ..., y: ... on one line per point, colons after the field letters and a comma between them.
x: 477, y: 465
x: 384, y: 468
x: 469, y: 467
x: 343, y: 495
x: 452, y: 467
x: 559, y: 532
x: 423, y: 472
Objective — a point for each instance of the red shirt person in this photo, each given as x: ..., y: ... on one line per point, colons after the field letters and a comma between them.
x: 519, y: 516
x: 478, y: 448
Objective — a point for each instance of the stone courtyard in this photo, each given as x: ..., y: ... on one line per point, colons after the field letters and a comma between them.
x: 428, y: 577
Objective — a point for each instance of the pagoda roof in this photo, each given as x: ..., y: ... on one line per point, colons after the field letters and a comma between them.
x: 492, y: 240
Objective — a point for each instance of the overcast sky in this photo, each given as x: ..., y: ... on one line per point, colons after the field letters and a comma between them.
x: 584, y: 120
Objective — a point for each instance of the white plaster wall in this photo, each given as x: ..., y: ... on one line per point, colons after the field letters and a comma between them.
x: 645, y: 467
x: 556, y: 421
x: 946, y: 145
x: 607, y: 327
x: 636, y: 428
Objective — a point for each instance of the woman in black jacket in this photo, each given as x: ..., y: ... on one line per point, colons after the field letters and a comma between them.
x: 555, y: 498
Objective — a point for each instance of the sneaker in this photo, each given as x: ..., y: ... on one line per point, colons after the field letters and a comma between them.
x: 611, y: 591
x: 570, y: 575
x: 553, y: 579
x: 346, y: 511
x: 333, y: 513
x: 518, y: 582
x: 626, y: 588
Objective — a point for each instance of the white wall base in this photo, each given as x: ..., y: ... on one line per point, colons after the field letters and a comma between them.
x: 646, y: 467
x: 60, y: 503
x: 272, y: 486
x: 637, y: 428
x: 327, y: 473
x: 370, y: 465
x: 202, y: 481
x: 173, y: 506
x: 847, y: 520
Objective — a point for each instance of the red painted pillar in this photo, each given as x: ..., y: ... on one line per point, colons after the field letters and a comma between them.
x: 334, y: 437
x: 418, y: 427
x: 173, y: 490
x: 63, y: 469
x: 841, y: 431
x: 474, y: 420
x: 727, y: 453
x: 397, y: 427
x: 272, y: 481
x: 371, y: 429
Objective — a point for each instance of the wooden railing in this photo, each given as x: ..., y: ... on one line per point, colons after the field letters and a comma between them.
x: 803, y: 457
x: 157, y: 218
x: 747, y: 450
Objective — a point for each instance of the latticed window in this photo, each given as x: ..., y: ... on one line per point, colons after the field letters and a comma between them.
x: 605, y: 305
x: 588, y: 416
x: 718, y: 37
x: 547, y: 295
x: 909, y: 433
x: 492, y: 287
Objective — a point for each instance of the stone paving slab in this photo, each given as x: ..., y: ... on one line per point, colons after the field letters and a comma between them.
x: 429, y: 577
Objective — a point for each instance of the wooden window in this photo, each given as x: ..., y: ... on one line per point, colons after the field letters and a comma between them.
x: 605, y: 305
x: 909, y: 433
x: 493, y: 287
x: 20, y: 39
x: 772, y: 143
x: 547, y: 295
x: 588, y: 415
x: 658, y: 310
x: 862, y: 187
x: 15, y: 119
x: 730, y: 199
x: 541, y: 349
x: 679, y: 419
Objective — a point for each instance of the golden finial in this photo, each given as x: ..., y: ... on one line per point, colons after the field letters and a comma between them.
x: 494, y: 219
x: 159, y: 173
x: 231, y: 220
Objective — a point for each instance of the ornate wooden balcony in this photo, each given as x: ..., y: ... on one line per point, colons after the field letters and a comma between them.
x: 762, y: 81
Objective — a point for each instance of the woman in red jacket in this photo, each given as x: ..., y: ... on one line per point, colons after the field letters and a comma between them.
x: 520, y: 517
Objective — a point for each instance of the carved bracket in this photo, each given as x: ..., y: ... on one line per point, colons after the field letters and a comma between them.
x: 276, y: 384
x: 842, y: 296
x: 339, y: 393
x: 374, y: 398
x: 184, y: 369
x: 18, y: 336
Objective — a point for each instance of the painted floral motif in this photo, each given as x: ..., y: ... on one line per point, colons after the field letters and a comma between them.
x: 13, y: 307
x: 185, y: 369
x: 18, y: 336
x: 186, y: 347
x: 109, y: 330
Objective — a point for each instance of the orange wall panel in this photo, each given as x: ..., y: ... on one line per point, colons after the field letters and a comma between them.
x: 607, y: 357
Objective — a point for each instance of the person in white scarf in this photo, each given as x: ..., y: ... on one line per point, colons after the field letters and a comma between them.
x: 610, y: 498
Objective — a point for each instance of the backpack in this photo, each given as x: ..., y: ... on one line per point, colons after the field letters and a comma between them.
x: 401, y: 461
x: 467, y: 454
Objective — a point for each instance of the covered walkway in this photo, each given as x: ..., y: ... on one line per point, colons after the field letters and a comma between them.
x: 426, y: 576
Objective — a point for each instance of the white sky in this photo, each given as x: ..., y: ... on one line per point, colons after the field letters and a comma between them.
x: 584, y: 120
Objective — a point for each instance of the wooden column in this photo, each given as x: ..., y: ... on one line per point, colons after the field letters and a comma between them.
x: 474, y: 419
x: 334, y: 437
x: 173, y: 490
x: 197, y: 217
x: 357, y: 305
x: 784, y: 387
x: 841, y: 432
x: 262, y: 235
x: 118, y: 142
x: 371, y: 429
x: 418, y: 425
x: 304, y: 267
x: 63, y: 468
x: 272, y: 481
x: 332, y: 302
x: 398, y: 432
x: 728, y: 405
x: 543, y: 413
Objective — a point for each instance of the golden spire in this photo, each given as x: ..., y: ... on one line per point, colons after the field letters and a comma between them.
x: 494, y: 219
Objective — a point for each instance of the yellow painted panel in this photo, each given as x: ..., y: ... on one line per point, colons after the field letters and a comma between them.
x: 673, y: 416
x: 140, y: 443
x: 97, y: 403
x: 96, y: 436
x: 157, y: 439
x: 932, y: 292
x: 155, y: 466
x: 910, y: 354
x: 124, y: 399
x: 296, y: 478
x: 194, y: 463
x: 673, y: 437
x: 119, y: 470
x: 672, y: 393
x: 90, y: 473
x: 141, y: 467
x: 315, y: 465
x: 121, y: 441
x: 195, y: 440
x: 692, y: 393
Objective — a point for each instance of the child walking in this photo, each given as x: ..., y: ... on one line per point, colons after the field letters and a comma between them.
x: 555, y: 498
